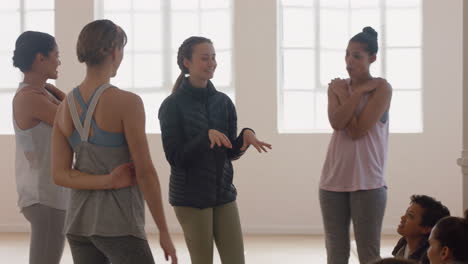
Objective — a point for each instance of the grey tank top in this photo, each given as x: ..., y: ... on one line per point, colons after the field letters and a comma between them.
x: 110, y: 213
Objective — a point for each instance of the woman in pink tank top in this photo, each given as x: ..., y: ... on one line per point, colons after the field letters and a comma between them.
x: 352, y: 185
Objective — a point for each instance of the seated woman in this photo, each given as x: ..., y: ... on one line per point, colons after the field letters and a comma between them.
x: 448, y: 242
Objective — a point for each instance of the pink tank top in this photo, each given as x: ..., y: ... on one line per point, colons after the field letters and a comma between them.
x: 353, y: 165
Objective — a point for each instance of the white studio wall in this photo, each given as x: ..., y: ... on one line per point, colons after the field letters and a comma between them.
x: 278, y: 191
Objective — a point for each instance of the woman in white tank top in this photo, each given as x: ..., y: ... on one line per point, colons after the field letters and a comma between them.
x: 352, y: 186
x: 42, y: 202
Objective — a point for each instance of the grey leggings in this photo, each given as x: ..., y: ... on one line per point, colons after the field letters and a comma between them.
x: 105, y: 250
x: 366, y: 209
x: 47, y: 239
x: 220, y: 223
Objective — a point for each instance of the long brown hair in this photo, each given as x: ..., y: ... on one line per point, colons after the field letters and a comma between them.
x: 185, y: 52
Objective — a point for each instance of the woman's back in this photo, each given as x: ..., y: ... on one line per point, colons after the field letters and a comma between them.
x: 108, y: 113
x: 101, y: 212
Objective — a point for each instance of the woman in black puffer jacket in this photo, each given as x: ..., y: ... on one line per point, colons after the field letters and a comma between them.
x: 199, y: 135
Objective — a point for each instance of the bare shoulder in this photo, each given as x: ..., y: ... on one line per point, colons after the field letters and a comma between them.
x: 27, y: 96
x: 121, y: 99
x: 384, y: 84
x: 383, y: 87
x: 63, y: 119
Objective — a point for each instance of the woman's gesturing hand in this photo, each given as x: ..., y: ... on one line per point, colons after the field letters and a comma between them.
x: 251, y: 139
x: 218, y: 138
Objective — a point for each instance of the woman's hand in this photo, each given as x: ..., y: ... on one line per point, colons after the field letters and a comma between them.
x: 251, y: 139
x: 123, y: 176
x: 369, y: 86
x: 218, y: 138
x: 167, y: 246
x: 59, y: 95
x: 340, y: 88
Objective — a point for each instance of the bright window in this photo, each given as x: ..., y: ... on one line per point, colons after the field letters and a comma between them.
x: 313, y: 35
x: 155, y: 30
x: 17, y: 16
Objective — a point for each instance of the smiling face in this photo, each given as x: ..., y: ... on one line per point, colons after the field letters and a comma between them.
x: 410, y: 224
x: 358, y: 60
x: 48, y: 65
x: 203, y: 64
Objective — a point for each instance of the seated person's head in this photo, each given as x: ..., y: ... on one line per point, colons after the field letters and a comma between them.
x: 449, y: 241
x: 394, y: 261
x: 422, y: 214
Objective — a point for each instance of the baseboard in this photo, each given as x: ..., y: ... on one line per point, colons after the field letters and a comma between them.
x: 274, y: 230
x: 251, y: 230
x: 18, y: 228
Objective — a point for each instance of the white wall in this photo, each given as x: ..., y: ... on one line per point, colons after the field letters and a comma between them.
x: 278, y: 192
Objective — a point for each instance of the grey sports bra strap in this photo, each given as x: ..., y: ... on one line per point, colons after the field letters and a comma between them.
x: 91, y: 108
x: 74, y: 114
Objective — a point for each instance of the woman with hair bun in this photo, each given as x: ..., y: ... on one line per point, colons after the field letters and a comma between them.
x: 352, y: 185
x: 35, y: 103
x: 448, y: 242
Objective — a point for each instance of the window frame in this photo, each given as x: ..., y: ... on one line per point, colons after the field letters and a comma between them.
x: 319, y: 88
x: 167, y: 51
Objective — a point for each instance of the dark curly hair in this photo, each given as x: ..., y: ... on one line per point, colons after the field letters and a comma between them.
x: 433, y: 210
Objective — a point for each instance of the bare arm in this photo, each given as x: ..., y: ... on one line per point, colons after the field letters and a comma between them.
x: 33, y: 105
x: 378, y: 104
x: 147, y: 178
x: 341, y: 107
x: 62, y: 158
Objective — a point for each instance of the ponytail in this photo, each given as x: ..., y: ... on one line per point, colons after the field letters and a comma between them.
x: 178, y: 82
x: 185, y: 52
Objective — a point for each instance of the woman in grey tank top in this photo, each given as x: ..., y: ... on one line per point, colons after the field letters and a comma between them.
x: 102, y: 127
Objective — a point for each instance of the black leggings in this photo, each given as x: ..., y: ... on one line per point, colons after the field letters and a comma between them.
x: 115, y: 250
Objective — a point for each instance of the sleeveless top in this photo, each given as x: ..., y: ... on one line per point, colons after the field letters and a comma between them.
x: 353, y: 165
x: 110, y: 213
x: 34, y: 181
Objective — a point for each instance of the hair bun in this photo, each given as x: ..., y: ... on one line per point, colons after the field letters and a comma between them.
x: 370, y: 31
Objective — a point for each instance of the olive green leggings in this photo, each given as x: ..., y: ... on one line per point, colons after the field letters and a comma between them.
x: 202, y: 226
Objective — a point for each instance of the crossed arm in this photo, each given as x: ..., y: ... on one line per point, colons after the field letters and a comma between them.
x: 342, y: 107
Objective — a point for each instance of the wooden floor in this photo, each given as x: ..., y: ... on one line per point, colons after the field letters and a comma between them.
x: 259, y: 249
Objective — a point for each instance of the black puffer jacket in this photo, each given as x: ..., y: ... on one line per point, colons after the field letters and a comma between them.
x: 201, y: 177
